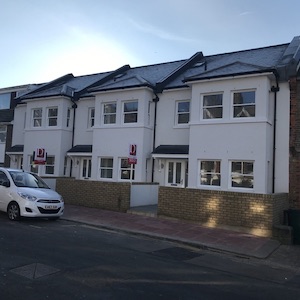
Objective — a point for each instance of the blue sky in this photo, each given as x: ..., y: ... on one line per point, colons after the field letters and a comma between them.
x: 44, y: 39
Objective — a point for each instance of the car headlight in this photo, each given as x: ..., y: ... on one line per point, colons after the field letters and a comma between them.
x: 61, y: 199
x: 27, y: 196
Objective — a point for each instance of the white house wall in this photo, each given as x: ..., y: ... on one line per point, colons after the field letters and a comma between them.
x: 83, y: 133
x: 19, y: 124
x: 167, y: 132
x: 55, y: 140
x: 113, y: 140
x: 282, y: 139
x: 227, y: 139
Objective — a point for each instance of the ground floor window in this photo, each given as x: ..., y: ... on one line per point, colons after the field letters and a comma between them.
x: 210, y: 172
x: 106, y: 167
x: 126, y: 170
x: 49, y: 166
x: 242, y: 174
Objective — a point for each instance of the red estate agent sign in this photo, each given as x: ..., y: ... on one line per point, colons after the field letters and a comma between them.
x: 132, y: 154
x: 39, y: 156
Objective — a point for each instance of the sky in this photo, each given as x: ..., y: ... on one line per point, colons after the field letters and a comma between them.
x: 42, y: 40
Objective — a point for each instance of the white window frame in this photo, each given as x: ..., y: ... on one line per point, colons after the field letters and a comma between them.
x: 213, y: 175
x: 182, y: 113
x: 91, y: 117
x: 3, y: 133
x: 241, y: 176
x: 207, y: 109
x: 68, y: 116
x: 50, y: 165
x: 106, y: 168
x: 39, y: 119
x: 131, y: 112
x: 126, y: 168
x: 109, y: 117
x: 52, y: 118
x: 244, y: 113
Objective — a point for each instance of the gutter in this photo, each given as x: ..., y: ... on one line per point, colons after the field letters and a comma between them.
x: 274, y: 89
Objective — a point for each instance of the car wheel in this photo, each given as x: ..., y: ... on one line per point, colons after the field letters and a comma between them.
x: 13, y: 211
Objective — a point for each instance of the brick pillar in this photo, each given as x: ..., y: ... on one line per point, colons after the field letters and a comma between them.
x: 294, y: 165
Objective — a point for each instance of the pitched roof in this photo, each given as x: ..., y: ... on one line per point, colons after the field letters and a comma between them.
x: 284, y: 59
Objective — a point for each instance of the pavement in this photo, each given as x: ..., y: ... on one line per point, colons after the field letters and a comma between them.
x: 188, y: 233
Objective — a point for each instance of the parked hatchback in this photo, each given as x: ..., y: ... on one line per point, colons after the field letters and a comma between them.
x: 24, y: 194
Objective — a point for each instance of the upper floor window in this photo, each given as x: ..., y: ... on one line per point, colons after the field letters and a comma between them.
x: 242, y: 174
x: 5, y: 101
x: 91, y: 121
x: 130, y: 112
x: 37, y: 115
x: 109, y: 113
x: 2, y: 133
x: 183, y: 112
x: 106, y: 167
x: 52, y: 116
x: 210, y: 172
x: 212, y: 106
x: 244, y: 104
x: 68, y: 116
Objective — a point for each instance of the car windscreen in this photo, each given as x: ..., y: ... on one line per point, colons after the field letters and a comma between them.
x: 24, y: 179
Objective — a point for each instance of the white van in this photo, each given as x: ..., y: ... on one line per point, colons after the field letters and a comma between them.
x: 24, y: 194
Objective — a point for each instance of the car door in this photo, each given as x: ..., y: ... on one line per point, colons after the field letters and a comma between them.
x: 4, y: 191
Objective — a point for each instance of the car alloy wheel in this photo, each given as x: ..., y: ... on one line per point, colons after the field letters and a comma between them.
x: 13, y: 211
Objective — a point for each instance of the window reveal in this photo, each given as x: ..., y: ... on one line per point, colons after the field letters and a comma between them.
x: 106, y: 167
x: 52, y: 116
x: 37, y: 115
x: 213, y: 106
x: 244, y: 104
x: 130, y: 111
x: 242, y: 174
x: 210, y: 172
x: 183, y: 112
x: 126, y: 169
x: 109, y: 113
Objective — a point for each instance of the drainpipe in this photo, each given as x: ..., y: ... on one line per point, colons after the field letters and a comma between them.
x: 274, y: 89
x: 155, y: 100
x: 74, y: 106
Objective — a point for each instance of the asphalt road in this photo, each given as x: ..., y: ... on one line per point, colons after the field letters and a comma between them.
x: 43, y: 259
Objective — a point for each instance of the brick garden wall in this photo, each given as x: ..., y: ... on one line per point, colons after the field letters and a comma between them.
x: 256, y: 212
x: 294, y: 166
x: 97, y: 194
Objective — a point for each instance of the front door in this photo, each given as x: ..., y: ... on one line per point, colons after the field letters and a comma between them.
x: 86, y: 168
x: 175, y: 173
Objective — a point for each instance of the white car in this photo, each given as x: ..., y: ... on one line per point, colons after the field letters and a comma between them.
x: 24, y: 194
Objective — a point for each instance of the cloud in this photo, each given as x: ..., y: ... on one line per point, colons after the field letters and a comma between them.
x: 162, y: 34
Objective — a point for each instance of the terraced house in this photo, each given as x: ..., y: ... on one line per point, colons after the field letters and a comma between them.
x: 219, y: 131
